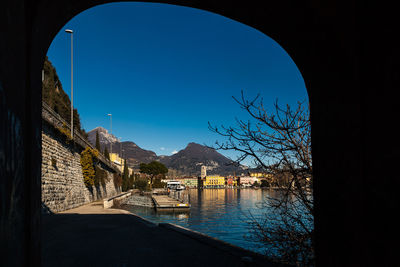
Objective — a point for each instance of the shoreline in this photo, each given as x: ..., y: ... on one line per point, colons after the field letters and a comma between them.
x: 116, y: 239
x: 247, y: 255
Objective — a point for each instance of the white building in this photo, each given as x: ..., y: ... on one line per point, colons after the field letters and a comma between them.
x: 203, y: 171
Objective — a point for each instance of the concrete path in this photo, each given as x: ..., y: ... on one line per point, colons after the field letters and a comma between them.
x: 93, y: 236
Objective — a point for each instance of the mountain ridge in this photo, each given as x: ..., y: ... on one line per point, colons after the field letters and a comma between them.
x: 187, y: 161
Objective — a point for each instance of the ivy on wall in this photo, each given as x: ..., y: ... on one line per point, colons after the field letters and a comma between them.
x: 66, y: 132
x: 117, y: 179
x: 100, y: 177
x: 88, y: 159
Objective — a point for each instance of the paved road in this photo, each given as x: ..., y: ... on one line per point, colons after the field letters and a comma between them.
x: 93, y: 236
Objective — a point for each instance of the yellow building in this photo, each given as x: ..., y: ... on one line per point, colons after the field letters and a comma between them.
x: 214, y: 181
x: 231, y: 182
x: 115, y: 158
x: 258, y: 174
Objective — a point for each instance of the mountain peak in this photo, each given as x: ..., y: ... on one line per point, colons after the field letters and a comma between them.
x: 130, y: 151
x: 199, y: 149
x: 99, y: 129
x: 193, y: 144
x: 188, y: 161
x: 104, y: 136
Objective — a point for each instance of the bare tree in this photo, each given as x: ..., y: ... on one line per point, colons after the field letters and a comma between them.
x: 279, y: 143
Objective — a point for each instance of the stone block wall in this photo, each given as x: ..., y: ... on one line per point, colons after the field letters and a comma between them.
x: 138, y: 200
x: 62, y: 180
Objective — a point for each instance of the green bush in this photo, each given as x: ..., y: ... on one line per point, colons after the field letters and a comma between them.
x: 158, y: 184
x: 264, y: 183
x: 54, y: 95
x: 66, y: 132
x: 117, y: 179
x: 100, y: 177
x: 142, y: 184
x: 88, y: 158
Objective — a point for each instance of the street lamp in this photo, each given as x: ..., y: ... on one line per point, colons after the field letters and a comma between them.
x: 110, y: 131
x: 72, y: 81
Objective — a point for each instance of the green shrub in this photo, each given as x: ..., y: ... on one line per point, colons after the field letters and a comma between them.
x: 117, y: 179
x: 88, y: 158
x: 100, y: 177
x: 142, y: 184
x: 65, y: 131
x: 264, y: 183
x: 158, y: 184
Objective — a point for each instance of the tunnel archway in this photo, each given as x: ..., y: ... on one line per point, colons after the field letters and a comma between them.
x: 271, y: 28
x: 87, y: 35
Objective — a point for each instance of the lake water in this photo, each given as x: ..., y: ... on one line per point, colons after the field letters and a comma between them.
x: 220, y: 213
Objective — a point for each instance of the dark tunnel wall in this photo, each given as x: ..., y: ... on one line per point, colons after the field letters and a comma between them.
x: 349, y: 58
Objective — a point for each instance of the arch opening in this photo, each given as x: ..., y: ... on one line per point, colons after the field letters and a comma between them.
x: 253, y: 78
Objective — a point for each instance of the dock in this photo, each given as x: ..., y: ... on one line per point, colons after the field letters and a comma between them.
x: 166, y: 203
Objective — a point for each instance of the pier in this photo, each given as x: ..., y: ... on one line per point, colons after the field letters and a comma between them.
x: 167, y: 203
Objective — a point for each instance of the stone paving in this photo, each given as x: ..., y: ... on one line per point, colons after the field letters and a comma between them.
x: 92, y: 236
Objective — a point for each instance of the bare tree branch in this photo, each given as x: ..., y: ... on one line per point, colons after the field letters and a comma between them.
x: 279, y: 143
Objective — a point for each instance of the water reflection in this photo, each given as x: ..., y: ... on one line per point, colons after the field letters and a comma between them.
x: 220, y: 213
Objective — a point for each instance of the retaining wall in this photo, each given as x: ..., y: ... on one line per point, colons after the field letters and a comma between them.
x: 62, y: 180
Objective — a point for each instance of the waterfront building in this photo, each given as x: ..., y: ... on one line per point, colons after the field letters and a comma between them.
x: 190, y: 182
x: 181, y: 180
x: 231, y: 181
x: 115, y: 158
x: 248, y: 180
x: 214, y: 181
x: 203, y: 171
x: 258, y: 174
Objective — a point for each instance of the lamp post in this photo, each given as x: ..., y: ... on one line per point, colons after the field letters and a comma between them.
x: 72, y: 81
x: 110, y: 131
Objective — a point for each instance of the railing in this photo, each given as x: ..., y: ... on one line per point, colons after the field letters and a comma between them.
x: 54, y: 119
x: 180, y: 195
x: 118, y: 199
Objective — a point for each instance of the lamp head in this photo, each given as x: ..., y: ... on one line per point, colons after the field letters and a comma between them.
x: 69, y: 31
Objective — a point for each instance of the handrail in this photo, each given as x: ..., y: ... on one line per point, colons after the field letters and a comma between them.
x: 54, y: 119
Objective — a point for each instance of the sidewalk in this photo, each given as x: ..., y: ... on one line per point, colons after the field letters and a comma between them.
x: 92, y: 236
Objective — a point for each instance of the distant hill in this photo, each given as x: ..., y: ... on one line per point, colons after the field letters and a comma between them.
x: 132, y: 152
x: 187, y: 161
x: 136, y: 155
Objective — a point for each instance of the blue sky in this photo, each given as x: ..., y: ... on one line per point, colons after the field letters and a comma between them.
x: 164, y: 71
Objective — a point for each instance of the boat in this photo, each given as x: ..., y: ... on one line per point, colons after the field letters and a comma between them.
x: 175, y: 185
x: 180, y: 187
